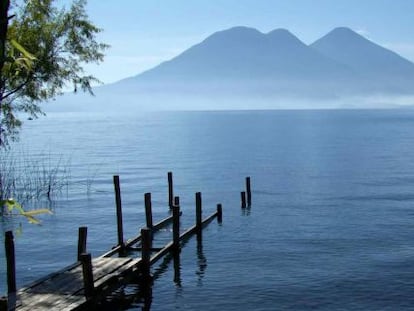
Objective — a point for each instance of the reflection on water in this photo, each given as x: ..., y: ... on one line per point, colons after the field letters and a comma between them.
x: 246, y: 211
x: 201, y: 260
x: 177, y: 269
x: 138, y: 295
x: 133, y: 296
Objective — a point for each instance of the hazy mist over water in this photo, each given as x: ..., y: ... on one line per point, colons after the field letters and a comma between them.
x: 330, y: 227
x: 243, y: 68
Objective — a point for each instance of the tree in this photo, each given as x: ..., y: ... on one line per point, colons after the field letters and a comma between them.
x: 43, y: 48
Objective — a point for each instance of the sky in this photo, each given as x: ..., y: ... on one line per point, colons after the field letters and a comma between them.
x: 143, y: 34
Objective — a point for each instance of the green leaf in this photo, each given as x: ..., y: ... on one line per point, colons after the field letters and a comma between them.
x: 32, y: 220
x: 37, y: 212
x: 13, y: 205
x: 22, y: 50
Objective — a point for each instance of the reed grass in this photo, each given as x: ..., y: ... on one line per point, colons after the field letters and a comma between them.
x: 28, y: 177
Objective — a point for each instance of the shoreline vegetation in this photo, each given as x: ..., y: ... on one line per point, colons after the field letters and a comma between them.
x: 26, y: 179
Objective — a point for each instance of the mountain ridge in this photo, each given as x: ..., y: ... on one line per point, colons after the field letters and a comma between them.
x: 243, y: 63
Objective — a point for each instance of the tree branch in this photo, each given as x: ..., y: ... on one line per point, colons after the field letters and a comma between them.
x: 15, y: 90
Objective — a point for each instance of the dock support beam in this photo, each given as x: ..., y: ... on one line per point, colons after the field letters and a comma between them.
x: 10, y: 262
x: 219, y: 213
x: 198, y: 213
x: 243, y: 199
x: 148, y: 210
x: 170, y: 190
x: 176, y: 224
x: 82, y: 235
x: 3, y: 304
x: 119, y: 213
x: 88, y: 283
x: 249, y: 192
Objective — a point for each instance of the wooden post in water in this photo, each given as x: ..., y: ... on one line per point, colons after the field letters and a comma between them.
x: 146, y: 238
x: 88, y: 283
x: 10, y: 262
x: 198, y: 213
x: 176, y: 224
x: 177, y: 201
x: 243, y: 199
x: 119, y: 213
x: 3, y: 304
x: 249, y: 192
x: 170, y: 190
x: 148, y: 210
x: 219, y: 213
x: 82, y: 235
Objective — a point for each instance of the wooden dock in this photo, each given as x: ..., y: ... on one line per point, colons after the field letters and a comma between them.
x: 64, y: 290
x: 81, y: 285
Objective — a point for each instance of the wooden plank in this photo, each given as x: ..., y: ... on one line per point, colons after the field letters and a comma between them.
x: 169, y: 247
x: 53, y: 292
x: 67, y: 288
x: 53, y: 274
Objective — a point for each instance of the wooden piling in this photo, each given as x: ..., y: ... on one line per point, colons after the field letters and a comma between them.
x: 243, y: 199
x: 170, y: 190
x: 148, y: 210
x: 198, y: 212
x: 177, y: 201
x: 3, y: 304
x: 219, y: 213
x: 82, y: 236
x: 146, y: 236
x: 176, y: 223
x: 10, y: 262
x: 249, y: 192
x: 88, y: 282
x: 119, y: 212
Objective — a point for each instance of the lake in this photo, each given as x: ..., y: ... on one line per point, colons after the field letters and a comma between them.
x: 330, y: 227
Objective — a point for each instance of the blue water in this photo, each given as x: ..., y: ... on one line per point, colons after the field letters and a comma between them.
x: 330, y: 228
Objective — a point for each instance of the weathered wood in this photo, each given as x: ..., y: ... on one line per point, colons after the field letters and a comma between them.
x: 163, y: 223
x: 177, y: 201
x: 198, y: 212
x: 185, y: 235
x: 248, y: 192
x: 192, y: 230
x: 243, y: 199
x: 82, y: 284
x: 3, y: 304
x: 64, y: 291
x: 132, y: 241
x: 148, y: 210
x: 117, y: 268
x: 88, y: 281
x: 170, y: 190
x: 82, y: 236
x: 10, y: 262
x: 176, y: 223
x: 146, y: 234
x: 219, y: 213
x: 119, y: 213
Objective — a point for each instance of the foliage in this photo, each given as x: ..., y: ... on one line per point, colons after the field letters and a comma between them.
x: 45, y: 51
x: 11, y: 205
